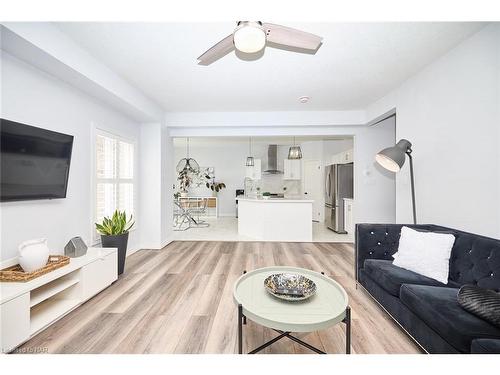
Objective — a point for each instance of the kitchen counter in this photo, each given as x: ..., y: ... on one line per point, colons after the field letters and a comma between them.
x: 275, y: 200
x: 275, y: 219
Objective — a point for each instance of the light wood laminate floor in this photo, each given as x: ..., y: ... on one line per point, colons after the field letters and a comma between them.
x: 179, y: 300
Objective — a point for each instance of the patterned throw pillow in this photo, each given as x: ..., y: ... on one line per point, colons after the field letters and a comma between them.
x: 483, y: 303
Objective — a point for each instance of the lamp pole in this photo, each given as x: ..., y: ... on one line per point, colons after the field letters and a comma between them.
x: 408, y: 152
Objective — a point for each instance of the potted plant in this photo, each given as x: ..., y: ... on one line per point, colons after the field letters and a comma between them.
x: 185, y: 182
x: 114, y: 233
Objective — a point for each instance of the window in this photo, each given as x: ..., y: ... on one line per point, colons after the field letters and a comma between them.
x: 114, y: 176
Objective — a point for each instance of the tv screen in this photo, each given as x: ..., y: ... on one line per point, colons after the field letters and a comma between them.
x: 34, y: 162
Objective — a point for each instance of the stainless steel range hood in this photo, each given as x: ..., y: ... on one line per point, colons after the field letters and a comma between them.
x: 272, y: 160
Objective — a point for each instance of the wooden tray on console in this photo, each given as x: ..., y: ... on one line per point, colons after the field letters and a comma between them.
x: 16, y: 273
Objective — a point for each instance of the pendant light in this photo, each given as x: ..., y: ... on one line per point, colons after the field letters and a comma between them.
x: 188, y: 164
x: 295, y: 152
x: 250, y: 162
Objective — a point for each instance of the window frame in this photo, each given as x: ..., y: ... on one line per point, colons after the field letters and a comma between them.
x: 99, y: 131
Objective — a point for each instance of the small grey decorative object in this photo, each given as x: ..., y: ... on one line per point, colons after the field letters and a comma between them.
x: 290, y: 286
x: 76, y: 247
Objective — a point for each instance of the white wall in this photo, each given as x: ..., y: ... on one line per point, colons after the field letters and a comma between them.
x: 450, y: 111
x: 374, y: 187
x: 35, y: 98
x: 155, y: 185
x: 228, y: 158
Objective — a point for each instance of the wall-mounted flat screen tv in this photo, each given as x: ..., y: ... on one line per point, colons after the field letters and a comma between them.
x: 34, y: 162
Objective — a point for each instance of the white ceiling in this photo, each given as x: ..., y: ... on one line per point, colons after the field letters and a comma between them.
x: 357, y: 64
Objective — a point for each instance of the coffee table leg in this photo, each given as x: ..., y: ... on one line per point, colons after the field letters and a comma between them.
x: 347, y: 321
x: 244, y: 317
x: 240, y: 329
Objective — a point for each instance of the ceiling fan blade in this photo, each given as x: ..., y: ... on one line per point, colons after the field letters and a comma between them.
x: 221, y: 49
x: 291, y: 37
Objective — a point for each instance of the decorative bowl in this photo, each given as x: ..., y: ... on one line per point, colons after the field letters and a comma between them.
x: 290, y: 286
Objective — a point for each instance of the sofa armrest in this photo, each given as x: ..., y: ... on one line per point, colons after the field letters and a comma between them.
x: 485, y: 346
x: 379, y: 241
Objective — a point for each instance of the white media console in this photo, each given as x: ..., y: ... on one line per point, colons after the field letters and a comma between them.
x: 29, y: 307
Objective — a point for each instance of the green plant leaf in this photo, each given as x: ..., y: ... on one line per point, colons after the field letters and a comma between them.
x: 116, y: 224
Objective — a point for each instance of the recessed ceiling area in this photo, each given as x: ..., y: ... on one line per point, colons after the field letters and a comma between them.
x: 357, y: 63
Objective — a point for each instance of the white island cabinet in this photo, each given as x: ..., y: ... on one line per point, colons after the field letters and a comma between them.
x: 288, y: 220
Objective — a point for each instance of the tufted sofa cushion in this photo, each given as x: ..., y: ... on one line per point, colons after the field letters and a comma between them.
x: 439, y: 309
x: 391, y: 277
x: 485, y: 346
x: 475, y: 260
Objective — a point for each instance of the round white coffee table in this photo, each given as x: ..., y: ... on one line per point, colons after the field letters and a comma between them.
x: 326, y: 308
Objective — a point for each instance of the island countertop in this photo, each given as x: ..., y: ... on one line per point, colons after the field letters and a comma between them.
x: 278, y: 219
x: 275, y: 200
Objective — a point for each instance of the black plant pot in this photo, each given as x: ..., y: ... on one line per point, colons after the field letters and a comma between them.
x: 119, y: 241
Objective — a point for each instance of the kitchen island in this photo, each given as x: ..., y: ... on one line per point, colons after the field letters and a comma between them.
x: 281, y: 219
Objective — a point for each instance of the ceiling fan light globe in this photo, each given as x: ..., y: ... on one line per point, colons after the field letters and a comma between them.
x: 249, y: 38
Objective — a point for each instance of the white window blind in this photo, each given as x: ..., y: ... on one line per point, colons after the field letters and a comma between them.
x: 115, y: 183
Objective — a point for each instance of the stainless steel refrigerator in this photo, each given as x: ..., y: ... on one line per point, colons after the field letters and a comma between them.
x: 338, y: 185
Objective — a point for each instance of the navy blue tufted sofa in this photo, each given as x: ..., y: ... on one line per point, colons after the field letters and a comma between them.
x: 427, y: 309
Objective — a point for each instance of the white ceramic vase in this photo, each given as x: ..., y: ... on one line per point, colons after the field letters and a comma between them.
x: 33, y: 254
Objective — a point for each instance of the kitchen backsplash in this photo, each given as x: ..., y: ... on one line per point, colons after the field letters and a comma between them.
x: 274, y: 184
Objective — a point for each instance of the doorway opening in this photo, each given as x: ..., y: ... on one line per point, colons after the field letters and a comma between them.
x: 223, y: 160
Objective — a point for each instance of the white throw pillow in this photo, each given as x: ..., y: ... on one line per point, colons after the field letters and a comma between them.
x: 426, y: 253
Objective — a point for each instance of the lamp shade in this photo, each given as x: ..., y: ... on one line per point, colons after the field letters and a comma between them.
x: 295, y: 153
x: 188, y: 164
x: 393, y: 158
x: 250, y: 161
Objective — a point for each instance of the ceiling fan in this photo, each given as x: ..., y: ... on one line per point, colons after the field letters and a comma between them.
x: 252, y: 36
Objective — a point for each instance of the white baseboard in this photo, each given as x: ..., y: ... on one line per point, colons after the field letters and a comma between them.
x: 155, y: 247
x: 227, y: 215
x: 131, y: 251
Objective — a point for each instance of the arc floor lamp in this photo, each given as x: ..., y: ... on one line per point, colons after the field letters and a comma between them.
x: 393, y: 159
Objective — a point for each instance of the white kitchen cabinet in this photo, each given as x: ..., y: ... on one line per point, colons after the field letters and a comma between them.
x: 347, y: 156
x: 343, y: 157
x: 255, y: 172
x: 348, y: 215
x: 336, y: 159
x: 292, y: 169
